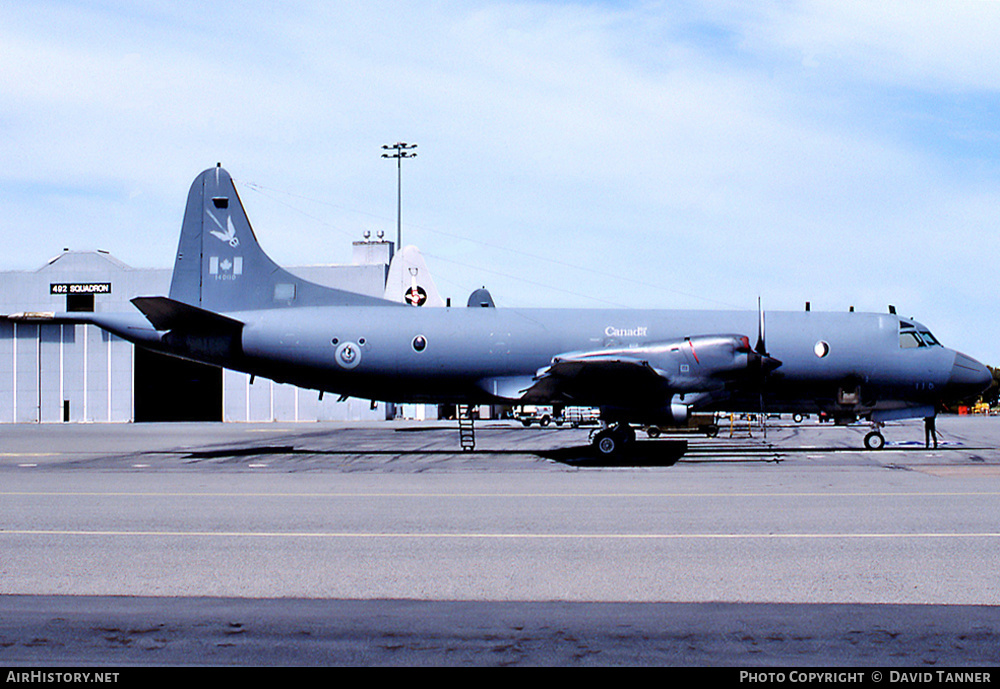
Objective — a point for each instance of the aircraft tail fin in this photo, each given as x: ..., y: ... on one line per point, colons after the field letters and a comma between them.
x: 220, y: 266
x: 409, y: 281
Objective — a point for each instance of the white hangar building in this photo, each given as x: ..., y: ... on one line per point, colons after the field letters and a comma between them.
x: 53, y: 372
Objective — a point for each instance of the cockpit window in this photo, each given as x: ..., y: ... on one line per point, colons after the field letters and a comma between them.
x: 910, y: 338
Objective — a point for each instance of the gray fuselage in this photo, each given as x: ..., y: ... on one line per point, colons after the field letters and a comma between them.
x: 862, y: 367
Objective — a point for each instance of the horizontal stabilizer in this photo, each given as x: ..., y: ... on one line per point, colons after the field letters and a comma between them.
x: 32, y: 317
x: 170, y: 314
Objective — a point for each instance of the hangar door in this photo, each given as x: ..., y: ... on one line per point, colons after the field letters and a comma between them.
x: 171, y: 389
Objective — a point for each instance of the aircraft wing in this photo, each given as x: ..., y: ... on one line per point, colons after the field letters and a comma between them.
x: 648, y: 374
x: 574, y: 378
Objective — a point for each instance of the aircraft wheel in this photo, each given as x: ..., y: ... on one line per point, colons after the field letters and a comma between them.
x: 607, y: 443
x: 874, y: 441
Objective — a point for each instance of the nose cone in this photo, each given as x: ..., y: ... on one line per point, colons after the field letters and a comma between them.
x: 968, y: 377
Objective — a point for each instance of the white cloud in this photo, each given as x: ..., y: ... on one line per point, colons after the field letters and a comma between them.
x: 949, y: 45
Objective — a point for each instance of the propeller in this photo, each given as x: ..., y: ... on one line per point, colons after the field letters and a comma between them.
x: 764, y: 363
x: 759, y: 347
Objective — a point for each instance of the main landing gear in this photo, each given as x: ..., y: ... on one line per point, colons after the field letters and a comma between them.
x: 613, y: 441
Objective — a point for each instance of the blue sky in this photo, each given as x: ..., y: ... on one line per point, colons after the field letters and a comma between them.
x: 649, y: 155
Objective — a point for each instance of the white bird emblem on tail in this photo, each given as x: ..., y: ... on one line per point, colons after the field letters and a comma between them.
x: 228, y: 233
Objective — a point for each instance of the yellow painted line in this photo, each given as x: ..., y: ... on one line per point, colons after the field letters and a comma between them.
x: 500, y: 536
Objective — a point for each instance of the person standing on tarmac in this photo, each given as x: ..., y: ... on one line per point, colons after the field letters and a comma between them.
x: 930, y: 432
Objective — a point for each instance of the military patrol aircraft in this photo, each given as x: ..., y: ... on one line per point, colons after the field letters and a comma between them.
x: 230, y: 305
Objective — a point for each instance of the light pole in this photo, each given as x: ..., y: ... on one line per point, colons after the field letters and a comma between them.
x: 402, y: 150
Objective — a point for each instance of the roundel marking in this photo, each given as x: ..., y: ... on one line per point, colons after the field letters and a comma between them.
x: 348, y: 355
x: 821, y: 349
x: 416, y: 296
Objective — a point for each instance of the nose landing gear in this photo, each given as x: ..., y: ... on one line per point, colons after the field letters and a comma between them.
x: 875, y: 440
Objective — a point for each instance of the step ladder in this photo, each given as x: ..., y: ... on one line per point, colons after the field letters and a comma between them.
x: 466, y: 428
x: 738, y: 430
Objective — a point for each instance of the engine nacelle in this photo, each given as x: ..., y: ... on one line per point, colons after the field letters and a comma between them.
x: 679, y: 412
